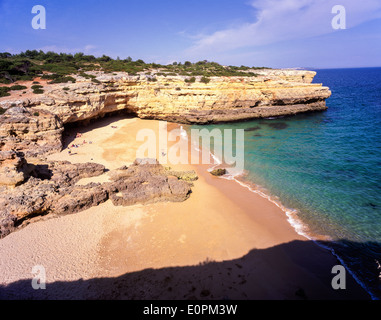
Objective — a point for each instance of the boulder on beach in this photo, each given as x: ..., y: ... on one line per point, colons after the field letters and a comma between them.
x: 218, y: 172
x: 33, y: 190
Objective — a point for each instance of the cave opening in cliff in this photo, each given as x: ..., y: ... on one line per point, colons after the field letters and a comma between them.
x: 82, y: 126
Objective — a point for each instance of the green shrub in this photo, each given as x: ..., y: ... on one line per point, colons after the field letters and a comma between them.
x: 36, y: 114
x: 4, y: 91
x: 5, y: 81
x: 31, y: 64
x: 87, y: 76
x: 56, y: 78
x: 205, y: 80
x: 2, y: 111
x: 66, y: 89
x: 36, y: 86
x: 18, y: 87
x: 50, y: 76
x: 26, y: 78
x: 38, y: 91
x: 191, y: 80
x: 61, y: 69
x: 63, y: 80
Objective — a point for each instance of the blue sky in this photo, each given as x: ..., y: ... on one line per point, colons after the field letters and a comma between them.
x: 274, y: 33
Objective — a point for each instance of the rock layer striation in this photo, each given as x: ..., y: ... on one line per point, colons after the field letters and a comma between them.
x: 37, y: 123
x: 31, y: 128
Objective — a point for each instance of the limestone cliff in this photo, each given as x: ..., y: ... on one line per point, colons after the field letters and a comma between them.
x: 37, y: 123
x: 272, y: 93
x: 32, y: 127
x: 31, y: 132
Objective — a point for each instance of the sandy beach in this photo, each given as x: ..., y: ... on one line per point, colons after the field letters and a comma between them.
x: 224, y: 242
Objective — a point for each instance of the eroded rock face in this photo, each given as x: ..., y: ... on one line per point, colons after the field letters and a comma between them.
x: 33, y: 128
x: 13, y: 168
x: 33, y: 132
x: 147, y: 183
x: 230, y: 99
x: 50, y: 188
x: 42, y: 187
x: 223, y: 99
x: 35, y: 125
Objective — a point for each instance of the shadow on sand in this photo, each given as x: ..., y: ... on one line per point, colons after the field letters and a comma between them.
x: 71, y: 129
x: 295, y: 270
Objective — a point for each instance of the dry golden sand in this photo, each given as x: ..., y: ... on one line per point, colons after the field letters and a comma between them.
x: 223, y: 242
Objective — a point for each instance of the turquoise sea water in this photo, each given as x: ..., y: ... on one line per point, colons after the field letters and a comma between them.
x: 325, y: 167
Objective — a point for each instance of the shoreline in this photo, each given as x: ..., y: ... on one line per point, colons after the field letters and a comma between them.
x: 220, y: 225
x: 300, y: 227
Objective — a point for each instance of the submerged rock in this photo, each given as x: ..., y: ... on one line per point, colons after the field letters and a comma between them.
x: 252, y: 129
x: 33, y: 128
x: 278, y: 125
x: 35, y: 125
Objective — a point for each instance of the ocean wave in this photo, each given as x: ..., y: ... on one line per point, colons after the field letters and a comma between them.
x: 183, y: 133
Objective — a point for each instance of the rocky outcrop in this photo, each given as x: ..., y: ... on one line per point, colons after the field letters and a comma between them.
x: 35, y: 125
x: 230, y: 99
x: 223, y: 99
x: 146, y: 183
x: 41, y: 189
x: 218, y: 172
x: 50, y: 188
x: 30, y: 128
x: 13, y: 168
x: 32, y: 132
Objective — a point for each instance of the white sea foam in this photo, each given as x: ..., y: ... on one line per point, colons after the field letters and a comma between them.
x: 234, y: 175
x: 292, y: 214
x: 183, y: 133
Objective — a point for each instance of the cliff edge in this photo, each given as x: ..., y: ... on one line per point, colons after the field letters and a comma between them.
x: 34, y: 123
x: 31, y: 126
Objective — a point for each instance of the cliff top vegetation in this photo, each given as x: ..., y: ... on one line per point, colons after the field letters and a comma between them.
x: 60, y: 67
